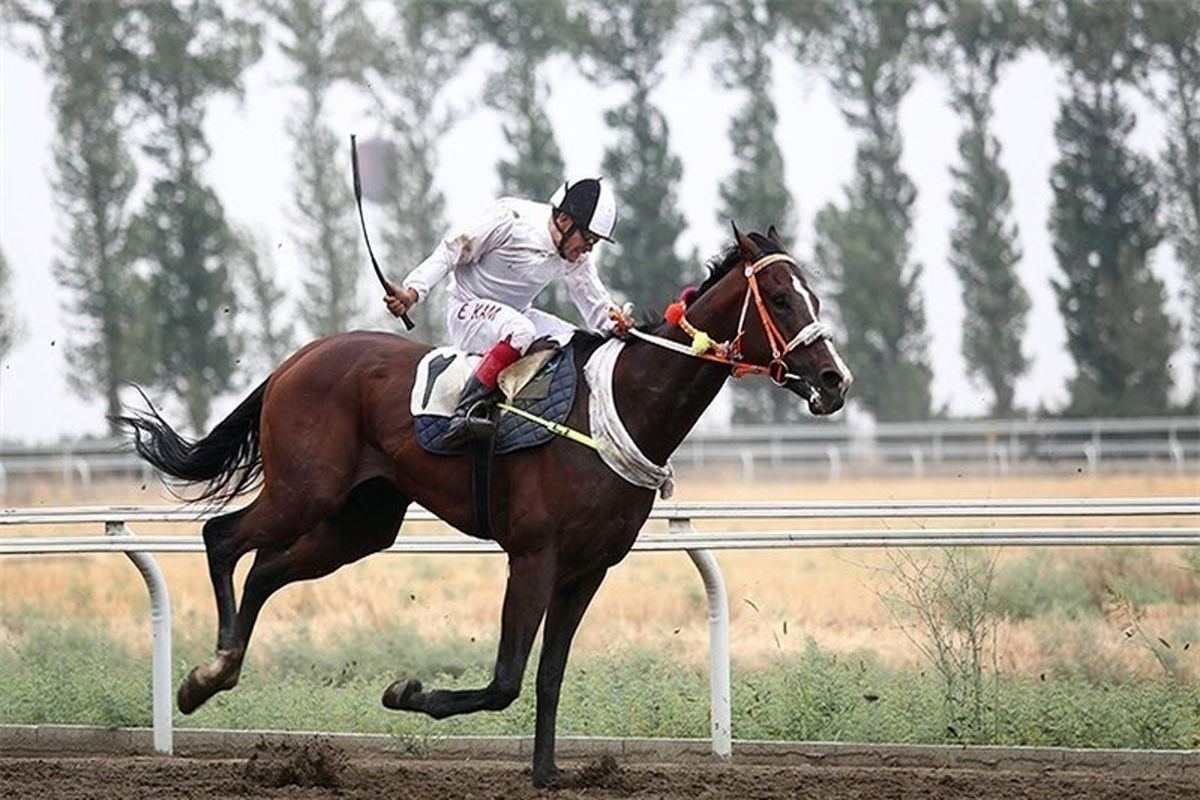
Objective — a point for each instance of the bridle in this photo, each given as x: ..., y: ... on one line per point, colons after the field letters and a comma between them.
x: 730, y: 352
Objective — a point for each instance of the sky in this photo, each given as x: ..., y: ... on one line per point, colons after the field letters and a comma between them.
x: 250, y: 169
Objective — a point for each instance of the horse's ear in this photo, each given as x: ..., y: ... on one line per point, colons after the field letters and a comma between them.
x: 774, y: 236
x: 745, y: 243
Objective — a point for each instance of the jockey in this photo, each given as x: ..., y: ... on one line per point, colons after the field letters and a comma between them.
x: 500, y: 264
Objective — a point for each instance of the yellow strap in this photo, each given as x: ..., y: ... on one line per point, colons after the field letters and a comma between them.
x: 553, y: 427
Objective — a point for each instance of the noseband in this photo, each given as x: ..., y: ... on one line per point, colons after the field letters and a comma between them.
x: 811, y: 333
x: 731, y: 352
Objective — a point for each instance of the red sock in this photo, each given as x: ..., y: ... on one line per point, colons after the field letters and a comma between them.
x: 499, y: 357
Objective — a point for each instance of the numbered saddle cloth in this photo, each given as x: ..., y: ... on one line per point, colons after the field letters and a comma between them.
x: 542, y: 383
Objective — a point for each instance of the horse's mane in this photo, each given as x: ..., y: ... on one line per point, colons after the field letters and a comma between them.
x: 720, y: 264
x: 585, y: 342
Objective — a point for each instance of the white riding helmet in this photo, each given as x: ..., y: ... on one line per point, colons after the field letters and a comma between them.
x: 590, y: 203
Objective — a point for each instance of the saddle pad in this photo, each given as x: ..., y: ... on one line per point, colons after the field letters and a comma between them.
x: 440, y: 377
x: 549, y: 394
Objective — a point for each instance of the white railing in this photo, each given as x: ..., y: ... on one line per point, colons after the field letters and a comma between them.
x: 996, y: 447
x: 1089, y: 525
x: 992, y: 446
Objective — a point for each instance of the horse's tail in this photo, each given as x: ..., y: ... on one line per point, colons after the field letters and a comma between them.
x: 227, y: 461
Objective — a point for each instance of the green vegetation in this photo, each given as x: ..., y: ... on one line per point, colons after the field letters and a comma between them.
x: 76, y: 672
x: 143, y: 236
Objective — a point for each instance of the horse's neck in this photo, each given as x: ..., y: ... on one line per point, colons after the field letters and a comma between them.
x: 661, y: 394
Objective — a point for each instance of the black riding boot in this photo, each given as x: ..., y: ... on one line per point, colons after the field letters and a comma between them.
x: 472, y: 417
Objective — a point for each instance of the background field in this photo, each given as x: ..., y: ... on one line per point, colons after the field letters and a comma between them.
x: 1092, y: 647
x: 778, y: 599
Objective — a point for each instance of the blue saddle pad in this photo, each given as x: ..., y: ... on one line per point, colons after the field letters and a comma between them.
x: 549, y: 395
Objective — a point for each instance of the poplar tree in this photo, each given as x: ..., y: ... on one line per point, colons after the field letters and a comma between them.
x: 980, y: 38
x: 326, y: 44
x: 1105, y: 220
x: 9, y: 321
x: 527, y: 33
x: 187, y: 53
x: 872, y: 48
x: 1172, y: 29
x: 82, y: 48
x: 270, y: 331
x: 626, y: 44
x: 418, y: 51
x: 755, y: 195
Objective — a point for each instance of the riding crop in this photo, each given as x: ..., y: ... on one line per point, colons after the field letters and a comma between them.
x: 408, y: 323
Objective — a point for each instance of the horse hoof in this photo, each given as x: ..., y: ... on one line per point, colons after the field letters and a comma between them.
x: 398, y: 696
x: 551, y: 778
x: 190, y: 695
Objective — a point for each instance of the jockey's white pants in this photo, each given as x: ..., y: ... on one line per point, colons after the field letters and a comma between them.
x: 476, y: 325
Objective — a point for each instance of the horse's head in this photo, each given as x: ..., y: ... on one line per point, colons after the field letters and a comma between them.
x: 756, y: 297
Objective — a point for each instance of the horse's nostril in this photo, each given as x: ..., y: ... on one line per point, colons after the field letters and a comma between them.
x: 831, y: 379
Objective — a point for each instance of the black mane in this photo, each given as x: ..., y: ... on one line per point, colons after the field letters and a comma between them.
x: 720, y: 264
x: 585, y: 342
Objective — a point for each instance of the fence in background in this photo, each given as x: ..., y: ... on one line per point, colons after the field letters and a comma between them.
x: 810, y: 449
x: 989, y: 447
x: 1080, y: 522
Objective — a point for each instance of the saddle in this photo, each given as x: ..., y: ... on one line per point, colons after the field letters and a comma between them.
x: 542, y: 383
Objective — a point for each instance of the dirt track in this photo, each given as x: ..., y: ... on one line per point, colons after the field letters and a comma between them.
x: 326, y: 771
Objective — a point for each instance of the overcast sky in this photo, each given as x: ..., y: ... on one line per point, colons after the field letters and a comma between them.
x: 250, y: 170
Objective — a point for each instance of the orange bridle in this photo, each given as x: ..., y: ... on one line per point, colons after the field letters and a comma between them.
x: 731, y: 352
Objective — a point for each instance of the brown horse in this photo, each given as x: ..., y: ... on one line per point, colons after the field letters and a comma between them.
x: 331, y: 436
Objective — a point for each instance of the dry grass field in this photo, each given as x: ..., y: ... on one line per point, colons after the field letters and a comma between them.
x: 779, y: 599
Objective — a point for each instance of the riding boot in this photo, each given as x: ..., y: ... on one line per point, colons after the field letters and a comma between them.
x: 472, y: 417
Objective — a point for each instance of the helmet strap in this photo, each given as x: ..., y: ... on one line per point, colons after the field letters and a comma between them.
x: 563, y: 236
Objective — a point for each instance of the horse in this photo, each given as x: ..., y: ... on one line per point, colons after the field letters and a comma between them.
x: 329, y: 438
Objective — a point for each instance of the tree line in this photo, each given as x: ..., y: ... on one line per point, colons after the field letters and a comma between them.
x: 165, y: 290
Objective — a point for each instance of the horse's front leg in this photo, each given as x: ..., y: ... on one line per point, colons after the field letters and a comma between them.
x: 530, y: 579
x: 566, y: 610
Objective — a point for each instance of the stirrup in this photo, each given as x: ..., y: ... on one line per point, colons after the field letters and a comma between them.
x: 474, y: 424
x: 478, y: 420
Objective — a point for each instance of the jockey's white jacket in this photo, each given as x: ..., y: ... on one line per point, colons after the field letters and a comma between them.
x: 508, y: 257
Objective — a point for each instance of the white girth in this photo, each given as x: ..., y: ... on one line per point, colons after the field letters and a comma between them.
x: 617, y: 447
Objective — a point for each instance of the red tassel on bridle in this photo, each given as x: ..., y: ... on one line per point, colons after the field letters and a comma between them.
x: 674, y: 312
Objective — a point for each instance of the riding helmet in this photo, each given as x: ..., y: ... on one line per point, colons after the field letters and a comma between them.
x: 590, y: 203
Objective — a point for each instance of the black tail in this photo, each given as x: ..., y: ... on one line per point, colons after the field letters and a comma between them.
x: 228, y: 460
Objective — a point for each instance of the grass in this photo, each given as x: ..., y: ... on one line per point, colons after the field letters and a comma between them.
x: 67, y: 672
x: 650, y: 601
x: 1096, y: 647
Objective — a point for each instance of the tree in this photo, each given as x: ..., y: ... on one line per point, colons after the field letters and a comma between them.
x: 1105, y: 220
x: 755, y: 195
x: 872, y: 47
x: 419, y: 50
x: 625, y: 44
x: 81, y: 46
x: 1172, y: 29
x: 980, y: 37
x: 187, y: 53
x: 326, y: 43
x: 526, y: 32
x: 271, y: 333
x: 9, y: 323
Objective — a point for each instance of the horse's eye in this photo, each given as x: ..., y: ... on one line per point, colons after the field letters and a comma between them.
x: 780, y: 302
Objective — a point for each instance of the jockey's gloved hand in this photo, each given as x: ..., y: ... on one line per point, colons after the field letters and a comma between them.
x: 622, y: 319
x: 399, y: 300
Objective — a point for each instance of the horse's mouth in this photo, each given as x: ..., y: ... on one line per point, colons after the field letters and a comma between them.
x: 820, y: 405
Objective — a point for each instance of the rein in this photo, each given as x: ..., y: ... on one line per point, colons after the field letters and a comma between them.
x: 730, y: 353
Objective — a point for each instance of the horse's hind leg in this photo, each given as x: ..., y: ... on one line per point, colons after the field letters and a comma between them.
x: 367, y: 522
x: 223, y: 547
x: 530, y: 580
x: 223, y: 550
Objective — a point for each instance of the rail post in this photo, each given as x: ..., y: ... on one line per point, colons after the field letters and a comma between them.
x: 160, y: 624
x: 719, y: 682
